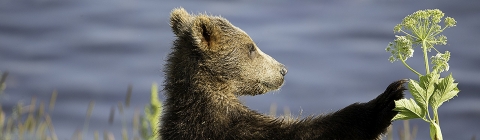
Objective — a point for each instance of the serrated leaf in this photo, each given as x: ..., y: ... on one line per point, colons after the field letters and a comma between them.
x: 447, y: 83
x: 449, y: 95
x: 427, y: 82
x: 446, y: 89
x: 418, y: 93
x: 408, y: 109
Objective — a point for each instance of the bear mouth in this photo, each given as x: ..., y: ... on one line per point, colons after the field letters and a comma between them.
x: 273, y: 85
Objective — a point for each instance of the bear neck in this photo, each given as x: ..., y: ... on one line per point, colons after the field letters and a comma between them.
x: 190, y: 89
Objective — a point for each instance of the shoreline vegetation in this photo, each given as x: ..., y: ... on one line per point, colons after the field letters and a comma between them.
x: 32, y: 121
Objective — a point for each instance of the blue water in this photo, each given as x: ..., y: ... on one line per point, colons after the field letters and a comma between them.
x: 334, y: 50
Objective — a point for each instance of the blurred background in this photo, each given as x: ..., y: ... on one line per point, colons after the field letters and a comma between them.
x: 92, y: 50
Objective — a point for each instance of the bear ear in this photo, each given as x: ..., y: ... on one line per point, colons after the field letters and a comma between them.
x: 204, y: 33
x: 179, y: 19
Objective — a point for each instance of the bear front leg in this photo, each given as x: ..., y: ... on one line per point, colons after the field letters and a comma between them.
x: 360, y: 121
x: 384, y: 104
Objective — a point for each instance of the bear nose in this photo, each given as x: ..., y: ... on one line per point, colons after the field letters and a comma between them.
x: 283, y: 71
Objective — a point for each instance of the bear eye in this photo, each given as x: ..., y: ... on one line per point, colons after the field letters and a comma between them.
x: 252, y: 51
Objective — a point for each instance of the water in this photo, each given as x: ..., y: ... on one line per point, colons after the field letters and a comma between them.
x: 334, y: 50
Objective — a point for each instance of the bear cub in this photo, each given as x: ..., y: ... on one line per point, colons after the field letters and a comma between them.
x: 213, y: 62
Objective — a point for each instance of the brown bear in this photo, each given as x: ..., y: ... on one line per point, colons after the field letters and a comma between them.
x: 212, y: 62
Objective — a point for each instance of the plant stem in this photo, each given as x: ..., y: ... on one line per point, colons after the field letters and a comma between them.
x: 424, y: 47
x: 435, y: 113
x: 410, y: 68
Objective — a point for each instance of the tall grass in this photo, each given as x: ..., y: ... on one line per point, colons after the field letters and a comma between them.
x: 32, y: 122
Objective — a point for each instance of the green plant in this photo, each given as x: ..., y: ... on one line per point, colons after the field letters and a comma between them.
x: 153, y: 112
x: 430, y: 91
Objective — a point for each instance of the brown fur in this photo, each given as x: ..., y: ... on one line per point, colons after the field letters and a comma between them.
x: 212, y: 62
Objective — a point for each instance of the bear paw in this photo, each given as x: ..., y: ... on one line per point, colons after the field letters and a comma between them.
x: 384, y: 104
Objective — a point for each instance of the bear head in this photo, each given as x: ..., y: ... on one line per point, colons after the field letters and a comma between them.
x: 212, y: 54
